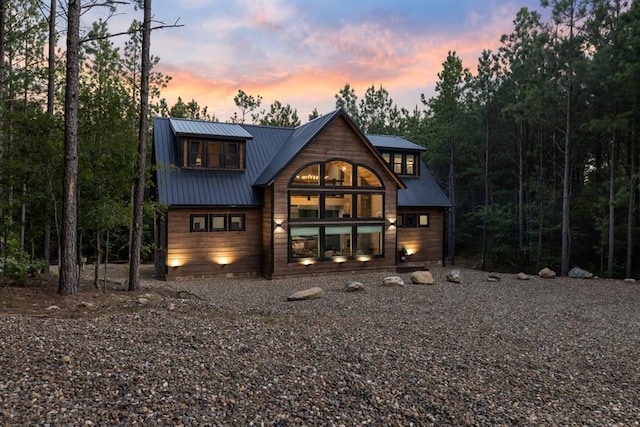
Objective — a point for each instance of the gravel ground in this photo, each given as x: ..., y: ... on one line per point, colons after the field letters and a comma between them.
x: 235, y: 352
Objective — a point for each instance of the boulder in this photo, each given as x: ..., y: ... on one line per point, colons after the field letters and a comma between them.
x: 142, y: 301
x: 578, y: 273
x: 422, y: 278
x: 311, y: 293
x: 454, y: 276
x: 494, y: 277
x: 52, y: 307
x: 393, y: 281
x: 629, y: 280
x: 547, y: 273
x: 522, y: 276
x: 353, y: 286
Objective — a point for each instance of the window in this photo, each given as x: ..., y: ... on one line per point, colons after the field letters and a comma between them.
x: 338, y: 173
x: 329, y: 241
x: 337, y: 241
x: 369, y: 240
x: 218, y: 222
x: 308, y: 176
x: 215, y: 154
x: 304, y: 241
x: 198, y: 222
x: 412, y: 220
x: 236, y: 222
x: 402, y: 163
x: 369, y: 205
x: 304, y: 206
x: 366, y: 178
x: 337, y: 205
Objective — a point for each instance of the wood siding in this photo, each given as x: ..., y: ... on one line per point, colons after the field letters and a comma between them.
x: 339, y: 140
x: 205, y: 253
x: 425, y: 242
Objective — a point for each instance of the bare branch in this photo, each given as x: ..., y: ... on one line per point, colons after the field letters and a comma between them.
x: 129, y: 32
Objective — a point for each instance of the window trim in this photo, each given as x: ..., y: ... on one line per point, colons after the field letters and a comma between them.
x: 389, y: 158
x: 193, y: 217
x: 420, y: 215
x: 224, y: 218
x: 321, y: 250
x: 243, y: 222
x: 322, y: 171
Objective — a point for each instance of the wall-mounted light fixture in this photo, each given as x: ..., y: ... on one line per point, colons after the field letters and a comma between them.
x: 364, y: 259
x: 340, y: 260
x: 307, y: 262
x: 277, y: 225
x: 392, y: 223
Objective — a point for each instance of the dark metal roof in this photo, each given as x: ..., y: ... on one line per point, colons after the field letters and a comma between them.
x: 268, y: 151
x: 202, y: 128
x: 187, y: 187
x: 422, y: 190
x: 393, y: 142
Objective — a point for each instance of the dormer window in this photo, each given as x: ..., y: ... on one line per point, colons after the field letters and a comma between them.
x: 210, y: 154
x: 401, y: 163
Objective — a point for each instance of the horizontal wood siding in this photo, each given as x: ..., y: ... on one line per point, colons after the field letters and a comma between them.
x: 203, y: 253
x: 267, y: 233
x: 339, y: 140
x: 426, y: 242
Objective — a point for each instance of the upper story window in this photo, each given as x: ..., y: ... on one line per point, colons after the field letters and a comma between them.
x: 209, y: 154
x: 336, y: 173
x: 401, y: 163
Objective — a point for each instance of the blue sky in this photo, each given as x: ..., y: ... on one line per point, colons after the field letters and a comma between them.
x: 302, y: 52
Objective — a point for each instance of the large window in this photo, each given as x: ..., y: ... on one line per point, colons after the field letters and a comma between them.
x: 330, y: 241
x: 216, y: 222
x: 214, y: 154
x: 336, y: 212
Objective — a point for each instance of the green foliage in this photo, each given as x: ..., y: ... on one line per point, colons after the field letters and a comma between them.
x: 281, y: 115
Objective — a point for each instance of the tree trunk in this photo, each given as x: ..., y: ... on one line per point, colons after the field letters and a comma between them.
x: 631, y: 204
x: 68, y: 283
x: 96, y: 265
x: 452, y: 199
x: 613, y: 163
x: 486, y: 192
x: 520, y: 154
x: 138, y: 202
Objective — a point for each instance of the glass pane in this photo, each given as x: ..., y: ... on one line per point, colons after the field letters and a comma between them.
x: 304, y: 206
x: 231, y: 155
x: 410, y: 164
x: 397, y: 163
x: 337, y: 241
x: 366, y: 178
x: 214, y: 154
x: 304, y: 242
x: 386, y: 157
x: 196, y: 153
x: 338, y: 173
x: 410, y: 220
x: 370, y: 206
x: 218, y: 222
x: 308, y: 176
x: 198, y: 223
x: 337, y: 205
x: 423, y: 220
x: 369, y: 240
x: 236, y: 222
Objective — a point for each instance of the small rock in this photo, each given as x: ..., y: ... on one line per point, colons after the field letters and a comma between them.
x: 522, y: 276
x: 52, y: 307
x: 579, y: 273
x: 353, y: 286
x: 65, y: 359
x: 422, y: 278
x: 143, y: 301
x: 311, y: 293
x: 492, y: 279
x: 547, y: 273
x: 86, y: 304
x: 494, y: 276
x: 629, y: 280
x: 454, y: 276
x: 392, y: 281
x: 171, y: 306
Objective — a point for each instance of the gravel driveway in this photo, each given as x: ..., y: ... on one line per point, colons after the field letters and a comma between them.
x: 235, y: 352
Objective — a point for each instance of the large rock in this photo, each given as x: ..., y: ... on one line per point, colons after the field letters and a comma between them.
x: 578, y: 273
x: 522, y: 276
x: 422, y: 278
x: 393, y: 281
x: 630, y: 280
x: 353, y: 286
x: 454, y: 276
x: 311, y: 293
x: 547, y: 273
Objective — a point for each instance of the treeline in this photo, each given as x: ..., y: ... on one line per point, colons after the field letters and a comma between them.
x: 537, y: 148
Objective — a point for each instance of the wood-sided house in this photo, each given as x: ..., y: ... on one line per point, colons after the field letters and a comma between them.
x: 322, y: 197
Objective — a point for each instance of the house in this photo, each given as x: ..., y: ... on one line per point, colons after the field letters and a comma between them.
x: 322, y: 197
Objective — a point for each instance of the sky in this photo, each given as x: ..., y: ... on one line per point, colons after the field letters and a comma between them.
x: 302, y: 52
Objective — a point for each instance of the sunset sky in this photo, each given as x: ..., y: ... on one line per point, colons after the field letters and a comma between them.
x: 301, y: 52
